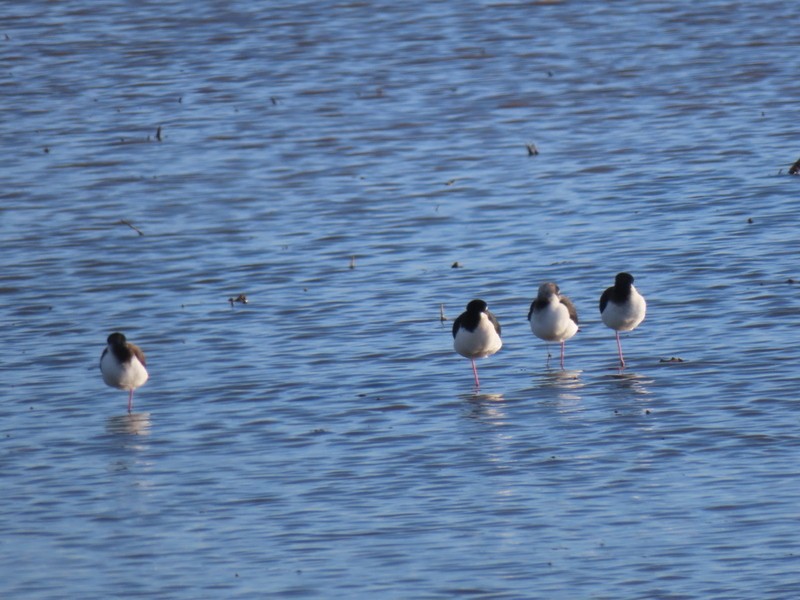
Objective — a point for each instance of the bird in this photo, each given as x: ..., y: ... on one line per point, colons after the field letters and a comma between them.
x: 553, y: 317
x: 123, y: 365
x: 622, y: 308
x: 476, y: 334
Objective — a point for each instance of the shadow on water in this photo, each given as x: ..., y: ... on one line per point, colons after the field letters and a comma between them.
x: 129, y: 424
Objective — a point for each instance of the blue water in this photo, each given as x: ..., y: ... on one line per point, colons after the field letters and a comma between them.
x: 324, y: 440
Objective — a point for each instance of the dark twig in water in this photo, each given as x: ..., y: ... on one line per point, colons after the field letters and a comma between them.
x: 131, y: 225
x: 158, y: 133
x: 241, y: 298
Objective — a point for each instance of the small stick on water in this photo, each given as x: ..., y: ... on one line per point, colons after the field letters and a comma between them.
x: 129, y: 224
x: 672, y: 359
x: 442, y: 318
x: 240, y: 298
x: 158, y: 133
x: 353, y: 262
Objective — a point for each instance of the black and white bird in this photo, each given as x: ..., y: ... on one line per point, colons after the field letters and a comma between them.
x: 553, y: 317
x: 476, y: 334
x: 622, y: 308
x: 123, y: 365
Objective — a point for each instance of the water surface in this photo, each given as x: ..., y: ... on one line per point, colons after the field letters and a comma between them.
x: 324, y: 440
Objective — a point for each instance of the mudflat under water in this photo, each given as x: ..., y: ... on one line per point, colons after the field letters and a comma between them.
x: 324, y: 440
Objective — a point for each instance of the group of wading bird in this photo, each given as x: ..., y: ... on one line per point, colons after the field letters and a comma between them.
x: 476, y: 332
x: 553, y: 318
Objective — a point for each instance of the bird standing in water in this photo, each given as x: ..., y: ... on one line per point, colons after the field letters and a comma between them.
x: 476, y: 334
x: 622, y: 308
x: 123, y: 365
x: 553, y: 317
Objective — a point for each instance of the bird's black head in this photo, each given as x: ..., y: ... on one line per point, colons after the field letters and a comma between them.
x: 623, y: 280
x: 476, y: 306
x: 116, y: 339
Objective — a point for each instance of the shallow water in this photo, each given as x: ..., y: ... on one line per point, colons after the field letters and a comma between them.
x: 324, y: 440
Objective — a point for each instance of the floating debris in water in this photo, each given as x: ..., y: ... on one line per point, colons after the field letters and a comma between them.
x: 241, y: 299
x: 795, y: 168
x: 750, y: 220
x: 442, y: 318
x: 532, y: 149
x: 455, y: 265
x: 353, y: 261
x: 158, y: 133
x: 672, y: 359
x: 131, y: 225
x: 790, y: 280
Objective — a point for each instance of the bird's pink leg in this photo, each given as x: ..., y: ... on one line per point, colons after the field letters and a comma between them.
x: 562, y: 356
x: 475, y: 372
x: 130, y: 401
x: 619, y: 347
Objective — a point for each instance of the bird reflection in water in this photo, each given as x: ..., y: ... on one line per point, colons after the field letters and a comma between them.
x: 568, y: 384
x: 129, y: 424
x: 567, y: 379
x: 633, y: 382
x: 486, y: 407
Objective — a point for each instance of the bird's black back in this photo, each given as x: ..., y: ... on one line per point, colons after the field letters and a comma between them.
x: 617, y: 293
x: 471, y: 317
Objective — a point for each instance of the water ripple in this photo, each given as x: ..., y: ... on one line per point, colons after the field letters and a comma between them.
x: 354, y: 171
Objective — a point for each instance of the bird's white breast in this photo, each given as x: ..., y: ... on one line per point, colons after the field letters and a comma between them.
x: 482, y: 342
x: 125, y: 376
x: 627, y: 316
x: 553, y: 323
